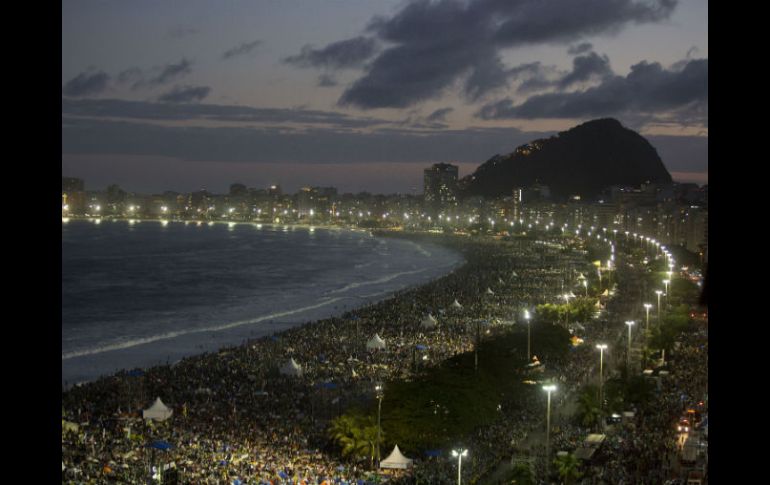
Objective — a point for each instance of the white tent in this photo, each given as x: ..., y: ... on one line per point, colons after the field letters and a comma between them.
x: 157, y: 412
x: 291, y: 368
x: 514, y: 275
x: 456, y: 304
x: 429, y: 322
x: 375, y: 343
x: 396, y: 460
x: 489, y: 291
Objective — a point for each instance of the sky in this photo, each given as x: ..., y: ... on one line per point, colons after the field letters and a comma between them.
x: 364, y: 94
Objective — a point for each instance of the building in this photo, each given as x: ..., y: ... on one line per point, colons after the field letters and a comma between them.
x: 440, y: 186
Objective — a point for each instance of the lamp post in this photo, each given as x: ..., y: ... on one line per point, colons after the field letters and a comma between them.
x: 380, y: 394
x: 529, y: 353
x: 459, y: 454
x: 549, y: 389
x: 585, y: 285
x: 630, y: 323
x: 647, y: 307
x: 602, y: 348
x: 658, y: 292
x: 666, y: 282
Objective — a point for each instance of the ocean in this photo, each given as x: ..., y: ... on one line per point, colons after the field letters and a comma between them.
x: 142, y: 293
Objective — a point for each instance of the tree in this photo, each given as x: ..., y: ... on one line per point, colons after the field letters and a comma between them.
x: 588, y: 410
x: 356, y: 435
x: 567, y: 465
x: 521, y: 474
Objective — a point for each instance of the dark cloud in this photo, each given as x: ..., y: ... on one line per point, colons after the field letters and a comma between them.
x: 436, y: 43
x: 131, y: 75
x: 648, y: 88
x: 170, y: 72
x: 580, y: 48
x: 86, y: 83
x: 338, y: 55
x: 585, y: 68
x: 439, y: 114
x: 240, y: 50
x: 114, y: 108
x: 185, y: 94
x: 273, y: 144
x: 326, y: 81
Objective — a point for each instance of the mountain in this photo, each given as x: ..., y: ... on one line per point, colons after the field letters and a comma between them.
x: 580, y: 161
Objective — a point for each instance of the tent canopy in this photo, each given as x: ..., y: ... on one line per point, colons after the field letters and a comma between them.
x: 291, y: 368
x: 429, y: 321
x: 375, y: 343
x: 157, y: 412
x: 456, y: 304
x: 489, y: 291
x: 396, y: 460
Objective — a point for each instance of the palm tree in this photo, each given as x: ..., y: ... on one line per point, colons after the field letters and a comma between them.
x: 589, y: 410
x: 567, y: 465
x: 357, y: 435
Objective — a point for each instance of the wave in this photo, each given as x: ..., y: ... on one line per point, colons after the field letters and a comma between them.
x: 170, y: 335
x: 420, y: 249
x: 384, y: 279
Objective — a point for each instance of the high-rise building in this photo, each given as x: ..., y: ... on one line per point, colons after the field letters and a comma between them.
x: 440, y: 185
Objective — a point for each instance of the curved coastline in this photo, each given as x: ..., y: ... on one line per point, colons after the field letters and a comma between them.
x: 273, y: 321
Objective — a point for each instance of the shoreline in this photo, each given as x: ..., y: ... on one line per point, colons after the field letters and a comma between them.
x: 213, y: 395
x: 314, y: 313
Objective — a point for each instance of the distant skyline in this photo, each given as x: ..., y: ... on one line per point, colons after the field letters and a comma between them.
x: 364, y: 94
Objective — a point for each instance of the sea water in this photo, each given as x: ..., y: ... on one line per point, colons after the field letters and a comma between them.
x: 142, y: 293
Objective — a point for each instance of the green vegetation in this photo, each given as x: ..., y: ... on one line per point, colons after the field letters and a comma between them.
x: 356, y: 434
x: 580, y: 310
x: 521, y: 474
x: 567, y: 466
x: 445, y: 404
x: 588, y: 411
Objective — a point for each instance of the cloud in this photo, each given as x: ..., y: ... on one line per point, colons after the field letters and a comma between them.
x: 580, y: 48
x: 273, y: 144
x: 648, y: 88
x: 326, y: 81
x: 338, y: 55
x: 86, y: 83
x: 170, y: 72
x: 439, y: 114
x: 585, y: 68
x: 142, y: 110
x: 185, y: 94
x: 435, y: 43
x: 240, y: 50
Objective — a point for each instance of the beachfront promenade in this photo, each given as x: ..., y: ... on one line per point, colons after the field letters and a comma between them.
x: 237, y: 419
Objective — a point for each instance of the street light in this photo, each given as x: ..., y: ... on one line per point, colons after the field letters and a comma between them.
x: 658, y: 292
x: 549, y: 389
x: 647, y: 307
x: 666, y: 282
x: 602, y: 348
x: 459, y: 454
x: 380, y: 394
x: 526, y: 317
x: 628, y: 353
x: 585, y: 285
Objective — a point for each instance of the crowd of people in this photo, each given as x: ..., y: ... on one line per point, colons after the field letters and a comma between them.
x: 238, y: 419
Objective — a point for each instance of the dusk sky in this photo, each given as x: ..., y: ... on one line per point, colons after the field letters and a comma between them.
x: 365, y: 94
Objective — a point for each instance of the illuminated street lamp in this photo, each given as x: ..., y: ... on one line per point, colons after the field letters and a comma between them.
x: 647, y: 307
x: 602, y: 348
x: 549, y: 389
x: 526, y: 317
x: 666, y: 282
x: 459, y: 454
x: 630, y: 323
x: 585, y: 285
x: 658, y: 292
x: 380, y: 394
